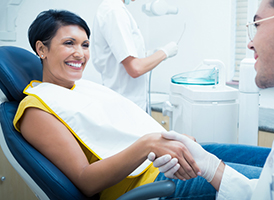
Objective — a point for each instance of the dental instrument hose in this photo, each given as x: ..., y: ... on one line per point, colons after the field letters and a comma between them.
x: 149, y: 97
x: 182, y: 34
x: 150, y: 73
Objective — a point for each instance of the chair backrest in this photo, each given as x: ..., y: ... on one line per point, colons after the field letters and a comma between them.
x: 17, y: 68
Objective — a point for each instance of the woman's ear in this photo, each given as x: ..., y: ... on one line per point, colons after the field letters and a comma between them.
x: 41, y: 49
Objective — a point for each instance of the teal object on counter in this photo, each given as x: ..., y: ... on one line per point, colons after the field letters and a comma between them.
x: 198, y: 77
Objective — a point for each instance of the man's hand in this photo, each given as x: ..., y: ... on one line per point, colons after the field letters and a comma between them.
x: 207, y: 162
x: 167, y: 165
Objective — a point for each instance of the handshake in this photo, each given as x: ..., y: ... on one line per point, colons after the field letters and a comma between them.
x: 207, y: 162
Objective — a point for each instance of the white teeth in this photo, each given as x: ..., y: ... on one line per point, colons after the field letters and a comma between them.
x: 78, y: 65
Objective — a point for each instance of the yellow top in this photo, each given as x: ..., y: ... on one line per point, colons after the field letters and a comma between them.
x: 110, y: 193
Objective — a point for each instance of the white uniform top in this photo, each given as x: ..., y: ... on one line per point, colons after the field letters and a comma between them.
x: 116, y: 36
x: 235, y: 186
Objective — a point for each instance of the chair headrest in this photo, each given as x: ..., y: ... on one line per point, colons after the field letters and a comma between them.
x: 17, y: 68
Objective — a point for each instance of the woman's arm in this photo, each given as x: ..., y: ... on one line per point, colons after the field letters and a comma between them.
x: 49, y: 136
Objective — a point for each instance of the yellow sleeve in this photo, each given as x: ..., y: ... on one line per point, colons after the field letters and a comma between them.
x: 31, y: 101
x: 27, y: 102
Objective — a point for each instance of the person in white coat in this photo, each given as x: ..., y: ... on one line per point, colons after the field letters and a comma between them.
x: 118, y: 52
x: 229, y: 183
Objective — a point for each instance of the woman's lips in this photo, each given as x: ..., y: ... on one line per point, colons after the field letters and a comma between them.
x: 75, y: 65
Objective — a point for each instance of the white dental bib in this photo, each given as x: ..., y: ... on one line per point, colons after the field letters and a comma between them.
x: 103, y: 120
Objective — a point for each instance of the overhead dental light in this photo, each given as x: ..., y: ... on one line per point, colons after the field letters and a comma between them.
x: 158, y: 8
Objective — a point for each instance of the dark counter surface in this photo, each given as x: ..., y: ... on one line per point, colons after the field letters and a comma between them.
x: 266, y: 119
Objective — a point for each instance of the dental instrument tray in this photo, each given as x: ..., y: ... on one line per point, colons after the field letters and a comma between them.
x: 198, y: 77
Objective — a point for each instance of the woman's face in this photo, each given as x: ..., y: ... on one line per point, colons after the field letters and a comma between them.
x: 65, y: 60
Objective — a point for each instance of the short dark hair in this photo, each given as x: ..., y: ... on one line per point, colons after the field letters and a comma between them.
x: 46, y: 24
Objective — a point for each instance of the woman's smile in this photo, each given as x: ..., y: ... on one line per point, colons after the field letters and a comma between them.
x: 75, y: 65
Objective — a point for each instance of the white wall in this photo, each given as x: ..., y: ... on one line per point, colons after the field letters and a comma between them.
x: 31, y: 8
x: 266, y: 98
x: 208, y: 34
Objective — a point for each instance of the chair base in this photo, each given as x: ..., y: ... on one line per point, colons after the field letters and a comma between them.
x: 33, y: 186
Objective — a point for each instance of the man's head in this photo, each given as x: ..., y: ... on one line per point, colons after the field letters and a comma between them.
x: 263, y: 45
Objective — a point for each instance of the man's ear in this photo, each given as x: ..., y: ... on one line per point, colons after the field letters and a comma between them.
x: 41, y: 49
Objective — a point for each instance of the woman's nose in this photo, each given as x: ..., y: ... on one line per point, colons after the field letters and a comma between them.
x: 79, y: 53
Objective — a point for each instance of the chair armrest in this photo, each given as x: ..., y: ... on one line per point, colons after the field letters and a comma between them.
x: 151, y: 190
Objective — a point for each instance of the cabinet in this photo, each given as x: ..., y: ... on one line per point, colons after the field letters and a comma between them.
x: 163, y: 120
x: 12, y: 186
x: 265, y: 139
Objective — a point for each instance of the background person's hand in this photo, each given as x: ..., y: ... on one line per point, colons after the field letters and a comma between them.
x: 207, y: 162
x: 171, y: 49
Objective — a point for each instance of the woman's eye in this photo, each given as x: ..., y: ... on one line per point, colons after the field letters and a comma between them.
x: 68, y: 43
x: 256, y: 25
x: 86, y: 45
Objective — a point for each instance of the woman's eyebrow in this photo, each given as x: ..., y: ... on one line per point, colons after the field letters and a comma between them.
x: 69, y: 38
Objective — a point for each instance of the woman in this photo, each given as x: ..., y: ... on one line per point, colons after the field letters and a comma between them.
x: 119, y: 53
x: 96, y: 148
x: 61, y: 40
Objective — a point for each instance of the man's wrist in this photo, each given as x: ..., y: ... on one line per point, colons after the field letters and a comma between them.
x: 217, y: 179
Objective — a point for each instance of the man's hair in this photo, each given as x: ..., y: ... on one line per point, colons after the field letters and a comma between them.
x: 272, y: 3
x: 47, y: 23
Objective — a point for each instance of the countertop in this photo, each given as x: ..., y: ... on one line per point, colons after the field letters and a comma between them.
x: 157, y: 107
x: 266, y: 119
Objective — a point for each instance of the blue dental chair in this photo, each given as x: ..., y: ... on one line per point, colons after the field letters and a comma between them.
x: 17, y: 68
